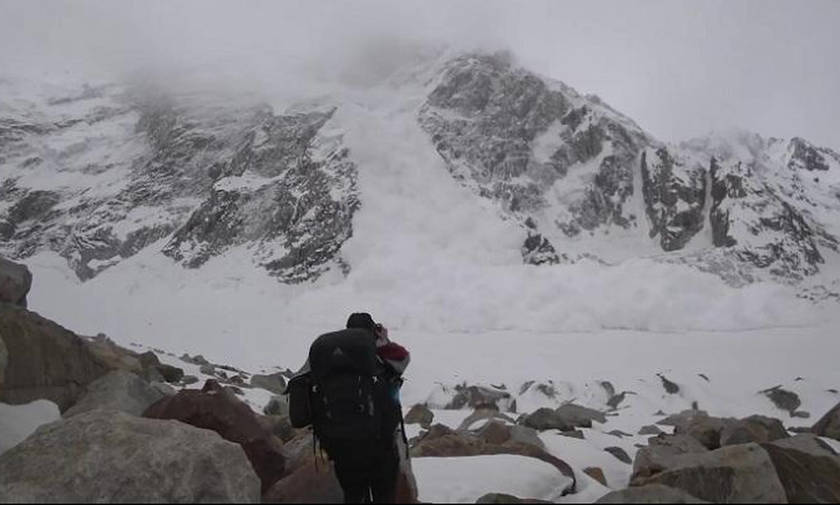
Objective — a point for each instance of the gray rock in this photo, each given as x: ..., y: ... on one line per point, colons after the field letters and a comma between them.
x: 15, y: 282
x: 170, y: 373
x: 118, y: 390
x: 829, y: 424
x: 163, y: 388
x: 652, y: 493
x: 109, y: 456
x: 670, y: 387
x: 620, y: 454
x: 278, y: 405
x: 736, y: 473
x: 681, y: 419
x: 207, y: 369
x: 564, y: 418
x: 420, y: 414
x: 45, y: 361
x: 661, y: 453
x: 573, y: 434
x: 480, y: 415
x: 480, y: 397
x: 650, y: 429
x: 808, y: 469
x: 783, y: 399
x: 505, y: 498
x: 752, y: 429
x: 707, y: 430
x: 4, y: 360
x: 189, y: 379
x: 275, y: 382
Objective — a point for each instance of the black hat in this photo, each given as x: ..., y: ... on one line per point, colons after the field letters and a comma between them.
x: 361, y: 320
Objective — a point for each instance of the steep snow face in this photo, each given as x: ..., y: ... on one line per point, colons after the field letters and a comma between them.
x: 98, y: 175
x: 584, y: 180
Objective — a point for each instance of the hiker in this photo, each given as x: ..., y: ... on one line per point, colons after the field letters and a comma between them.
x: 350, y: 385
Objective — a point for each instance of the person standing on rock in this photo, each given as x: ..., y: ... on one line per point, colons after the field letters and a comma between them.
x: 350, y: 395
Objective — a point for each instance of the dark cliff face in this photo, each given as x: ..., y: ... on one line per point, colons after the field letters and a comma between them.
x: 511, y: 136
x: 675, y: 198
x: 160, y: 168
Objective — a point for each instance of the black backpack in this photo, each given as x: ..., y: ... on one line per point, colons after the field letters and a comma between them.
x: 348, y: 389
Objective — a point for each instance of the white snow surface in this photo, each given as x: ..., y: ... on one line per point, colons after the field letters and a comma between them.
x: 19, y: 421
x: 465, y: 479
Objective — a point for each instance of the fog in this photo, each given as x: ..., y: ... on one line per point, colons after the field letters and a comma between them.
x: 680, y: 69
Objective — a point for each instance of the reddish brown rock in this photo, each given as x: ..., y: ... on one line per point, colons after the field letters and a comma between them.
x: 217, y: 409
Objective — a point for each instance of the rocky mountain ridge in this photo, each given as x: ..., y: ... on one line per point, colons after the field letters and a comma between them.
x: 99, y: 174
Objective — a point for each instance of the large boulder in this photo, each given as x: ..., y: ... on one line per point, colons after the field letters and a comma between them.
x: 45, y: 361
x: 278, y: 405
x: 705, y: 429
x: 117, y: 390
x: 829, y: 424
x: 420, y: 414
x: 736, y: 473
x: 15, y: 282
x: 564, y: 418
x: 808, y: 469
x: 216, y: 408
x: 752, y: 429
x: 275, y: 382
x: 652, y: 493
x: 661, y: 453
x: 109, y: 456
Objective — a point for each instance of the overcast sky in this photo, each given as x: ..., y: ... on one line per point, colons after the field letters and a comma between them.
x: 680, y: 69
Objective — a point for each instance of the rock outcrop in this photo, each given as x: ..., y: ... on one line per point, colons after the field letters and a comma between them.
x: 109, y: 456
x: 652, y: 493
x: 44, y: 360
x: 829, y: 424
x: 118, y: 390
x: 808, y: 469
x: 15, y: 282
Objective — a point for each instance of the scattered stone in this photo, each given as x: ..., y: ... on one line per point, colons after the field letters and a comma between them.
x: 829, y: 424
x: 616, y: 400
x: 620, y: 454
x: 650, y: 429
x: 752, y: 429
x: 109, y: 456
x: 596, y: 473
x: 525, y: 387
x: 207, y: 369
x: 215, y: 408
x: 170, y: 373
x: 660, y: 413
x: 579, y: 416
x: 148, y: 360
x: 565, y: 418
x: 705, y: 429
x: 483, y: 414
x: 832, y: 391
x: 275, y: 383
x: 573, y: 434
x: 118, y: 390
x: 808, y: 469
x: 608, y: 388
x: 802, y: 414
x: 420, y: 414
x: 799, y: 429
x: 506, y: 498
x: 44, y: 360
x: 618, y: 433
x: 495, y: 432
x: 478, y: 397
x: 652, y: 493
x: 278, y: 405
x: 197, y: 360
x: 704, y: 377
x: 15, y: 282
x: 189, y: 379
x: 661, y: 452
x: 670, y: 387
x: 736, y: 473
x: 783, y: 399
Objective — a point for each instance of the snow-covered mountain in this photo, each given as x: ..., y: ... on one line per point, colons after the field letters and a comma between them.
x: 99, y: 173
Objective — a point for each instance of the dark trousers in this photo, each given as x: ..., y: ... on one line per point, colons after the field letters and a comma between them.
x: 366, y: 470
